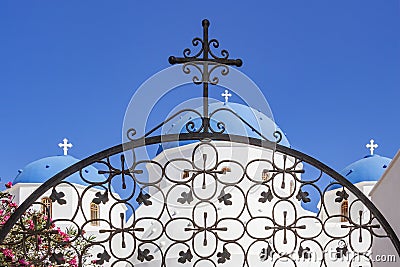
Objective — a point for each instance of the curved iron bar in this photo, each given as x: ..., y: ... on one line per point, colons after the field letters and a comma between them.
x: 205, y: 125
x: 56, y: 179
x: 169, y: 119
x: 245, y: 122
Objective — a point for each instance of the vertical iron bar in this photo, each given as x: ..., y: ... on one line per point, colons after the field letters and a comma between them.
x: 206, y: 49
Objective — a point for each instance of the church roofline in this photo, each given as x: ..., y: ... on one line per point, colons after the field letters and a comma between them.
x: 388, y: 169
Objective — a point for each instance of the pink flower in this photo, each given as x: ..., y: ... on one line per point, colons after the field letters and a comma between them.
x: 23, y: 262
x: 8, y: 185
x: 8, y: 253
x: 73, y: 262
x: 31, y: 225
x: 5, y: 218
x: 65, y: 237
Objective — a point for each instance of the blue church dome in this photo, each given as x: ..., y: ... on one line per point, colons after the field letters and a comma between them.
x: 368, y: 169
x: 262, y: 123
x: 43, y: 169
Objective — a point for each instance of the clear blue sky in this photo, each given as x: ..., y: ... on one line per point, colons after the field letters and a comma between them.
x: 329, y: 69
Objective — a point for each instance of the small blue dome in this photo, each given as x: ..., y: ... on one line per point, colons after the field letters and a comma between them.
x: 43, y: 169
x: 368, y: 169
x: 233, y: 124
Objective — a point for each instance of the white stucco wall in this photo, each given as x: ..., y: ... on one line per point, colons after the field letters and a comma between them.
x: 385, y: 195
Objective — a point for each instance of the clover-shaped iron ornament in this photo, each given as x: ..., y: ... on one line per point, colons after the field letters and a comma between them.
x: 266, y: 196
x: 100, y: 198
x: 303, y: 196
x: 58, y: 196
x: 224, y: 197
x: 143, y: 199
x: 144, y: 255
x: 341, y: 195
x: 186, y: 197
x: 223, y: 256
x: 185, y: 256
x: 102, y: 257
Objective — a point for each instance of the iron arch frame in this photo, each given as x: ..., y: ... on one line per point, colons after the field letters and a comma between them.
x: 199, y: 136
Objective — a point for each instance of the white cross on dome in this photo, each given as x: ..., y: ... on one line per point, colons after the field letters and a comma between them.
x: 65, y: 146
x: 226, y: 95
x: 372, y: 146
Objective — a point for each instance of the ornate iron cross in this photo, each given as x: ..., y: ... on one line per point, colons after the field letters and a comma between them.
x: 114, y: 172
x: 368, y: 226
x: 291, y: 170
x: 206, y: 58
x: 122, y: 230
x: 205, y: 171
x: 285, y: 227
x: 36, y: 232
x: 206, y: 229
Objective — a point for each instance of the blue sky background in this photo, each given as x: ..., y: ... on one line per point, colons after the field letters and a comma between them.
x: 329, y: 69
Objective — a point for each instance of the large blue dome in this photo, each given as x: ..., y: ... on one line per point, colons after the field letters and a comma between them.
x: 368, y: 169
x: 43, y: 169
x: 233, y: 124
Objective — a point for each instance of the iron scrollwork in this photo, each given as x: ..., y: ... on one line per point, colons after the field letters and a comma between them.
x: 221, y: 213
x: 205, y: 62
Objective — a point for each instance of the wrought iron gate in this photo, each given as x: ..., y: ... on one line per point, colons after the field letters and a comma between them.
x: 206, y: 209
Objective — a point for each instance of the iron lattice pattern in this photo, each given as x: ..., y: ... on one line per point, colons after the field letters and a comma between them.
x: 211, y: 207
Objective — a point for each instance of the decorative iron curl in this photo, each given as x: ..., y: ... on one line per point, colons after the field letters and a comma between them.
x: 215, y: 44
x: 205, y: 53
x: 205, y: 76
x: 130, y: 134
x: 215, y: 80
x: 195, y: 78
x: 221, y: 128
x: 191, y: 127
x: 195, y: 42
x: 278, y: 135
x: 205, y: 122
